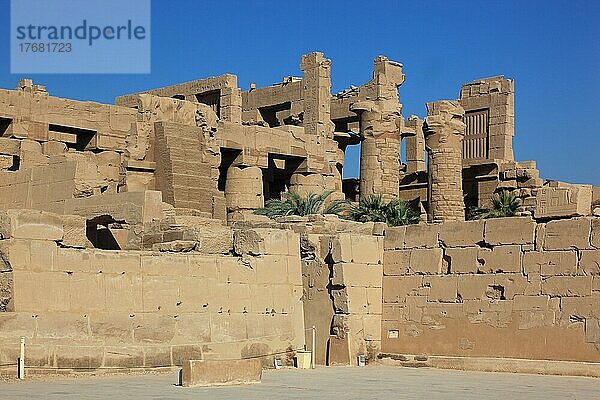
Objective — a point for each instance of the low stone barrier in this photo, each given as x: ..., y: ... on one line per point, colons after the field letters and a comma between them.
x: 220, y: 372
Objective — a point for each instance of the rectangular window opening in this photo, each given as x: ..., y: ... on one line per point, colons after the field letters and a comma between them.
x: 76, y: 138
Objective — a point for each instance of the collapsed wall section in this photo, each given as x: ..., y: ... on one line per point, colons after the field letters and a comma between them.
x: 507, y: 287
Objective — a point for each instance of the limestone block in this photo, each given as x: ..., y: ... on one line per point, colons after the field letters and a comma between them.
x: 414, y: 307
x: 515, y: 230
x: 426, y: 261
x: 596, y: 232
x: 270, y: 269
x: 10, y: 146
x: 566, y: 200
x: 397, y: 288
x: 442, y: 288
x: 461, y: 233
x: 164, y: 264
x: 74, y: 232
x: 339, y: 351
x: 589, y: 263
x: 394, y: 237
x: 568, y: 234
x: 580, y: 307
x: 372, y: 327
x: 6, y: 162
x: 79, y: 357
x: 31, y: 224
x: 462, y: 260
x: 359, y: 275
x: 175, y: 246
x: 210, y: 240
x: 500, y: 259
x: 264, y: 241
x: 53, y: 148
x: 153, y: 328
x: 123, y: 357
x: 161, y: 293
x: 357, y: 300
x: 535, y: 319
x: 157, y: 356
x: 510, y: 285
x: 592, y: 330
x: 396, y: 262
x: 124, y: 292
x: 374, y: 301
x: 550, y: 262
x: 474, y: 287
x: 524, y: 303
x: 73, y: 260
x: 355, y: 248
x: 422, y: 235
x: 203, y: 265
x: 568, y: 286
x: 192, y: 327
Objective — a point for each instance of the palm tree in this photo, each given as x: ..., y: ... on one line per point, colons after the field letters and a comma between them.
x: 399, y: 213
x: 374, y: 209
x: 294, y: 204
x: 504, y: 204
x: 369, y: 209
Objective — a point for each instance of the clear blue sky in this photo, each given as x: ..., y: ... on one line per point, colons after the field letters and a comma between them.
x: 551, y: 49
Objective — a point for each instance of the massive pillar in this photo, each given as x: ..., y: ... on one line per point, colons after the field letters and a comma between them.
x: 444, y: 130
x: 244, y: 188
x: 319, y: 174
x: 380, y: 121
x: 316, y: 94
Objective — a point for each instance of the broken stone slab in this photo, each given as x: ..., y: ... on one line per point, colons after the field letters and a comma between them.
x: 220, y: 372
x: 31, y: 224
x: 175, y: 246
x: 563, y: 200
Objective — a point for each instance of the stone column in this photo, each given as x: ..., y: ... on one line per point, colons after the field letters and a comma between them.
x: 244, y: 188
x: 380, y: 121
x: 380, y: 152
x: 444, y: 130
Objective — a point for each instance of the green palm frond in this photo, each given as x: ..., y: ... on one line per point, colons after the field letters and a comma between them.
x: 504, y: 204
x: 399, y: 212
x: 335, y: 207
x: 294, y: 204
x: 369, y: 209
x: 374, y: 209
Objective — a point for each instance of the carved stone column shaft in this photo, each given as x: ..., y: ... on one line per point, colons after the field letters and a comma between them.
x: 444, y: 130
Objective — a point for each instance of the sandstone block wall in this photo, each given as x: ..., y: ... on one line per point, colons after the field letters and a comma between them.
x: 507, y: 287
x: 356, y: 283
x: 90, y: 308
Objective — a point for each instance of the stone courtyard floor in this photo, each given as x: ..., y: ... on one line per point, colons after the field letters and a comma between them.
x: 372, y: 382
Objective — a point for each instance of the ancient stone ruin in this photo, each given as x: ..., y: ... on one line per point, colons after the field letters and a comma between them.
x: 128, y: 236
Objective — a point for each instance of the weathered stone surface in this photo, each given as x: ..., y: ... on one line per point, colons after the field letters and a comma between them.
x: 176, y: 246
x: 500, y: 259
x: 461, y: 234
x: 462, y: 260
x: 426, y: 261
x: 220, y: 372
x: 550, y: 262
x: 568, y: 286
x: 422, y: 235
x: 565, y: 200
x: 30, y: 224
x: 499, y: 231
x: 568, y: 234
